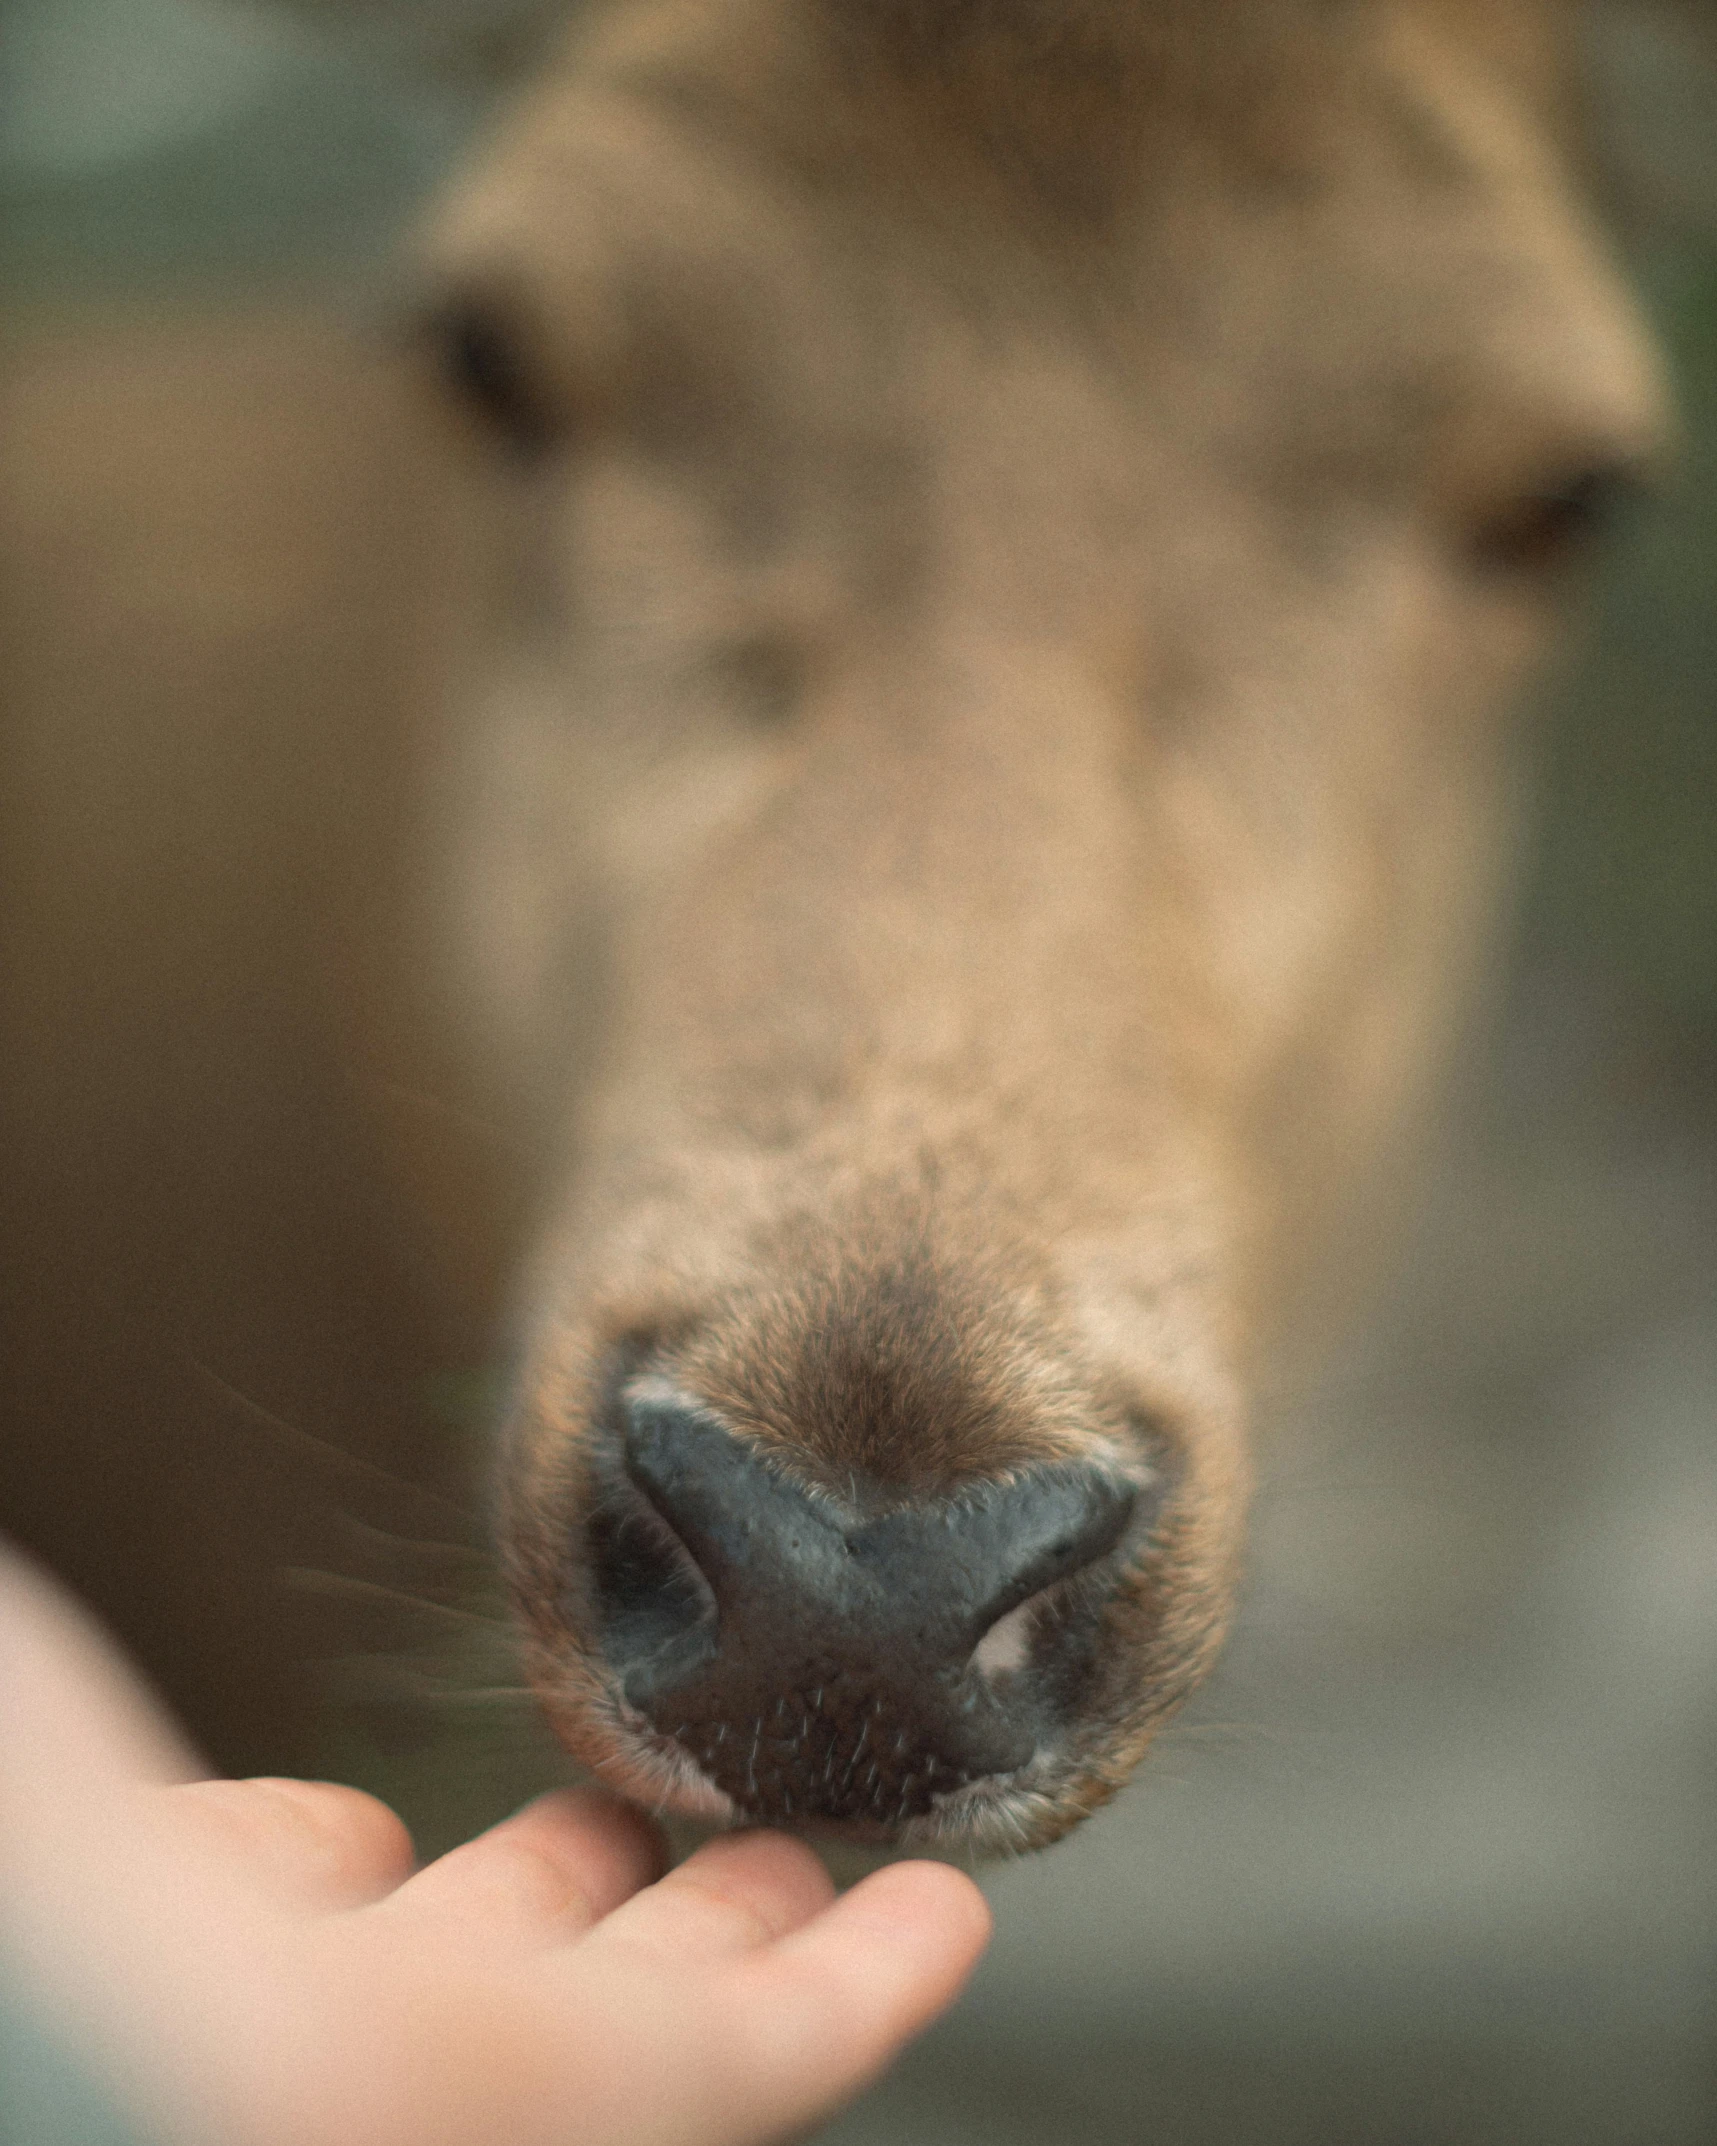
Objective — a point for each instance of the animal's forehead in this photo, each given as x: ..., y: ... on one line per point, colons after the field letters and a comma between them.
x: 1315, y: 239
x: 736, y: 179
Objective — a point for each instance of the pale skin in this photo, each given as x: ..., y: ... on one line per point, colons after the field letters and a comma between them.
x: 260, y: 1963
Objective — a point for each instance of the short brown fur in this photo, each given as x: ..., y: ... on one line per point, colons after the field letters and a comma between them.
x: 1087, y: 408
x: 978, y: 817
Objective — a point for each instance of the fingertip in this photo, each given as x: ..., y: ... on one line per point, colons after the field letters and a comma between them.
x: 368, y: 1843
x: 887, y: 1957
x: 760, y: 1848
x: 923, y: 1925
x: 737, y: 1894
x: 323, y: 1841
x: 925, y: 1897
x: 832, y: 2003
x: 591, y: 1823
x: 560, y: 1865
x: 778, y: 1877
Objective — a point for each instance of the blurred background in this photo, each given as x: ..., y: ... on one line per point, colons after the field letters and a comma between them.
x: 1433, y: 1861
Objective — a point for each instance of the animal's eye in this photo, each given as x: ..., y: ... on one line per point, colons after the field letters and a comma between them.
x: 477, y: 356
x: 1556, y: 523
x: 765, y: 679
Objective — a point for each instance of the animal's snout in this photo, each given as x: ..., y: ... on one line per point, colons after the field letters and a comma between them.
x: 845, y: 1655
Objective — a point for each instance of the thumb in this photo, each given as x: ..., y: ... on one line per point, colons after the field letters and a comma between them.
x: 73, y: 1715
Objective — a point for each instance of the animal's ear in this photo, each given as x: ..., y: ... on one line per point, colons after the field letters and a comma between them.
x: 1653, y: 65
x: 477, y: 40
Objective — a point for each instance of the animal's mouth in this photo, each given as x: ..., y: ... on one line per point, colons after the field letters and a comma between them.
x: 995, y: 1814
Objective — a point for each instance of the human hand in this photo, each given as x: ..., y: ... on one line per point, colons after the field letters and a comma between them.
x: 257, y: 1964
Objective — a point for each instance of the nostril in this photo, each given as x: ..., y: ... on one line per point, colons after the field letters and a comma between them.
x: 971, y: 1559
x: 732, y: 1516
x: 659, y: 1621
x: 1006, y: 1646
x: 1034, y: 1533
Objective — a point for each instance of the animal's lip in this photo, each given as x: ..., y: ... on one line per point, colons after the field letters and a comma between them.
x: 1000, y: 1814
x: 656, y: 1772
x: 1004, y: 1814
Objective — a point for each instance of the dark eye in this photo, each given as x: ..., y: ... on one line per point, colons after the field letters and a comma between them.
x: 478, y: 358
x: 765, y: 679
x: 1556, y: 525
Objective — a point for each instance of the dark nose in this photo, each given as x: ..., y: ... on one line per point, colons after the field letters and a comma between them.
x: 848, y: 1658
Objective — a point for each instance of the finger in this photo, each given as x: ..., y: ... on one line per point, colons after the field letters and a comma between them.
x: 539, y: 1878
x: 316, y: 1842
x: 736, y: 1893
x: 820, y: 2013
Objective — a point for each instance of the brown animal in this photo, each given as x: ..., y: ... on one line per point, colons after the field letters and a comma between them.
x: 1032, y: 514
x: 978, y: 819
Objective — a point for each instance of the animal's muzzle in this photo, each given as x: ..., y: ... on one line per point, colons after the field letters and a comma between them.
x: 852, y: 1657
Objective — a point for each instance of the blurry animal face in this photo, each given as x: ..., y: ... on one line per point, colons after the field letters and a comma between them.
x: 979, y: 820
